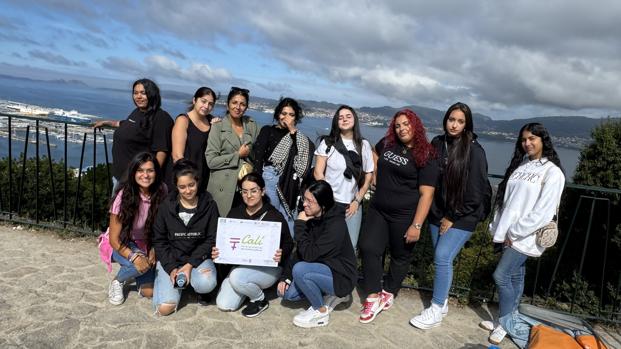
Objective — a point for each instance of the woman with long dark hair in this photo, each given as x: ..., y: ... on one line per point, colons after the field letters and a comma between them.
x: 283, y: 156
x: 323, y: 267
x: 245, y: 281
x: 527, y: 199
x: 405, y: 179
x: 191, y: 131
x: 132, y: 213
x: 229, y: 148
x: 345, y: 160
x: 462, y: 199
x: 183, y: 235
x: 147, y: 128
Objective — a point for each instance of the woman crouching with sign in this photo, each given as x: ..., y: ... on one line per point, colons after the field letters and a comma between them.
x: 325, y: 263
x: 184, y: 232
x: 247, y: 280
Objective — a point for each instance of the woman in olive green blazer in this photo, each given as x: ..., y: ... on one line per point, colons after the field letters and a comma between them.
x: 228, y: 146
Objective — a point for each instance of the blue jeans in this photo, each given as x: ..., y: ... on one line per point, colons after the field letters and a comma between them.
x: 128, y: 271
x: 518, y: 327
x: 310, y: 281
x: 353, y: 224
x: 446, y: 247
x: 202, y: 278
x: 270, y: 176
x: 509, y: 277
x: 245, y: 281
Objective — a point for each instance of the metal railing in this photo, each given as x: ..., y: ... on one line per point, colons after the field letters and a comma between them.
x: 556, y: 279
x: 560, y: 278
x: 12, y: 204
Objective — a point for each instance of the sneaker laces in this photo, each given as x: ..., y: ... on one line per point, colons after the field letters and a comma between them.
x: 367, y: 306
x: 427, y: 313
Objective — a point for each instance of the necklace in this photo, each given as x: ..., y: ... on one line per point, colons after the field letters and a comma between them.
x: 254, y: 210
x: 405, y: 149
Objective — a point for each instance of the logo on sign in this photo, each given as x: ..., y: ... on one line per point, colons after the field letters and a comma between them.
x: 234, y: 242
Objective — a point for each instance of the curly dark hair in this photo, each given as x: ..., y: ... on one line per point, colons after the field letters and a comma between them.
x: 289, y: 102
x: 422, y: 150
x: 130, y: 198
x: 518, y: 156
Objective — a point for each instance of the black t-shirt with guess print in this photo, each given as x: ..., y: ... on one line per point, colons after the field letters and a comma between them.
x: 398, y: 179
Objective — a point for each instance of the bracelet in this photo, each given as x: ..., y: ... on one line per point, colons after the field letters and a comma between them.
x: 131, y: 256
x: 417, y: 226
x: 136, y: 255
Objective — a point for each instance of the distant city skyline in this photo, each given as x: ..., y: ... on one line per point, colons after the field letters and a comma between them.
x: 507, y: 60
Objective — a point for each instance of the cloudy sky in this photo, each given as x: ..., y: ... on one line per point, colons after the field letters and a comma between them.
x: 507, y: 59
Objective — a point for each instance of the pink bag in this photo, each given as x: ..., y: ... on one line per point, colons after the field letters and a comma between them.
x: 105, y: 250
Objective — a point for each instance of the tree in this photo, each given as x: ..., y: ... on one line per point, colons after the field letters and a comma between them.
x: 600, y: 162
x: 600, y: 165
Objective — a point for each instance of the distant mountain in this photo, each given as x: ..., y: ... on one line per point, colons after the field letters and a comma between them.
x: 73, y: 82
x: 567, y: 131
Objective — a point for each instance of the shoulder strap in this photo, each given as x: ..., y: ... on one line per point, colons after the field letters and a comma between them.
x: 262, y: 216
x: 555, y: 218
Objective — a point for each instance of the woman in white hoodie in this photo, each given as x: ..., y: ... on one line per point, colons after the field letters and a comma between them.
x: 527, y: 199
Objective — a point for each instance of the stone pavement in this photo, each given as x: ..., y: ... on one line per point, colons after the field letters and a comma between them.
x: 53, y: 294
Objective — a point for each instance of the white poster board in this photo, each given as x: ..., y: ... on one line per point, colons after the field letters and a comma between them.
x: 247, y: 242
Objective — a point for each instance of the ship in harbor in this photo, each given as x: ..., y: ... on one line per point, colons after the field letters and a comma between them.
x: 55, y: 114
x: 51, y: 119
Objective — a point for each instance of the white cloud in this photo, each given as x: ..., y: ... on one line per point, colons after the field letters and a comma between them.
x: 552, y: 55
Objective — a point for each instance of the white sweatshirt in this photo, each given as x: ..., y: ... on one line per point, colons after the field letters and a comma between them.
x: 532, y: 196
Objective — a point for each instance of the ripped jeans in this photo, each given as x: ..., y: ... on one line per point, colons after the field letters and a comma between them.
x: 165, y: 291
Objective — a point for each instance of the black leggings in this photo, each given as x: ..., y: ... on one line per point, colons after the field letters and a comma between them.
x: 381, y: 229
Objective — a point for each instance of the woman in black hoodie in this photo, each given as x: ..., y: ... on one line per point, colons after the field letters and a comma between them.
x: 462, y: 199
x: 247, y: 280
x: 325, y: 262
x: 184, y: 233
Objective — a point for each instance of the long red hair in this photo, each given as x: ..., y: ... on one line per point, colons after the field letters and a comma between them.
x: 422, y: 150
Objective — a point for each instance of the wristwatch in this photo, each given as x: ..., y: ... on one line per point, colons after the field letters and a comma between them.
x: 417, y: 226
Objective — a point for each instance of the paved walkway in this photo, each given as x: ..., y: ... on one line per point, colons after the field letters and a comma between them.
x: 53, y: 294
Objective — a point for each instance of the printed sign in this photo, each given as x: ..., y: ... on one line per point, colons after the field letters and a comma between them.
x: 247, y: 242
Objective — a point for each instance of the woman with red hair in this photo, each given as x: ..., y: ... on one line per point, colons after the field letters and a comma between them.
x: 405, y: 182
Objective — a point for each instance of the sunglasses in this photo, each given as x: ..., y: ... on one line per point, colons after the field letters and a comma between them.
x: 238, y: 89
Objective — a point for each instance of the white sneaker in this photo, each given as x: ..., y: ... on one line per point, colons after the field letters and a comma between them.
x: 115, y: 293
x: 487, y: 325
x: 332, y: 302
x: 429, y: 318
x: 445, y: 308
x: 311, y: 318
x: 497, y: 335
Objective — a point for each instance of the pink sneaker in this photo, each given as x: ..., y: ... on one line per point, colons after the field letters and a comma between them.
x: 370, y: 308
x: 386, y: 299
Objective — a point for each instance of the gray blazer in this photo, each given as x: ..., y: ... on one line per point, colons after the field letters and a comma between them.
x: 223, y: 159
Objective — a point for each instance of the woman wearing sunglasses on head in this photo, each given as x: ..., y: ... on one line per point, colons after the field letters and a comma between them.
x: 229, y: 148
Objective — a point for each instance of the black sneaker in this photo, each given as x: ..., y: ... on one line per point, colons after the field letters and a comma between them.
x: 204, y: 299
x: 255, y: 308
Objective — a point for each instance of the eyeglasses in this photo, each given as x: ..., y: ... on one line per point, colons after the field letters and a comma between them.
x: 250, y: 192
x: 238, y: 89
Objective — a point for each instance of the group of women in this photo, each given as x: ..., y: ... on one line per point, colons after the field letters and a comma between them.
x: 174, y: 181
